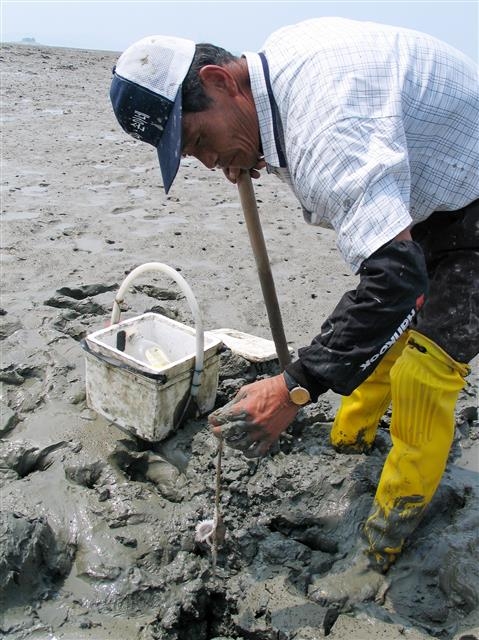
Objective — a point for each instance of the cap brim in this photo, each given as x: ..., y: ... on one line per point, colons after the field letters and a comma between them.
x: 169, y: 148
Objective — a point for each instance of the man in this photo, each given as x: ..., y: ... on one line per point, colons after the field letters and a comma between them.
x: 376, y: 129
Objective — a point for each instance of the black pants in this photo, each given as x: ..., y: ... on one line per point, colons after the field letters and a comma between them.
x: 450, y: 315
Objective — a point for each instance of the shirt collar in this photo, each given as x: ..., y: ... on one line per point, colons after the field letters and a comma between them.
x: 265, y: 108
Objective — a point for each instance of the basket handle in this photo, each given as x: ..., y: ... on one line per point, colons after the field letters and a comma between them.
x: 184, y: 286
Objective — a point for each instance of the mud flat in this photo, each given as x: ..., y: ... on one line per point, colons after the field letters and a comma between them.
x: 97, y: 526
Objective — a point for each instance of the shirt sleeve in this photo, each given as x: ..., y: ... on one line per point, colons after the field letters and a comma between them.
x: 367, y: 321
x: 356, y: 176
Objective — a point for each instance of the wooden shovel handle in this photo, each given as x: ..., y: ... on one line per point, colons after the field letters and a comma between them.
x: 255, y: 232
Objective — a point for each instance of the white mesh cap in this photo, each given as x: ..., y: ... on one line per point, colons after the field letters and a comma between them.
x: 145, y: 94
x: 158, y: 63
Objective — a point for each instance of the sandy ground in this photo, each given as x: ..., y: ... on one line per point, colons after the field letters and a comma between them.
x: 97, y: 526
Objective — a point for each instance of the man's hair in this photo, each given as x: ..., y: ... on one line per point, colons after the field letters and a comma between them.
x: 193, y: 95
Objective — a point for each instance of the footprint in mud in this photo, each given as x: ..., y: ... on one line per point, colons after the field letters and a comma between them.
x: 157, y: 292
x: 16, y: 375
x: 33, y: 560
x: 78, y: 299
x: 145, y: 466
x: 23, y: 459
x: 84, y: 307
x: 86, y: 475
x: 8, y: 327
x: 65, y: 323
x: 86, y: 291
x: 118, y: 210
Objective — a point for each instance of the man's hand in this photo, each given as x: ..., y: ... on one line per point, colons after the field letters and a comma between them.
x: 232, y: 173
x: 256, y: 416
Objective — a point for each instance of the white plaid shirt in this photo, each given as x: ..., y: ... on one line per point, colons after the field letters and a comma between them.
x: 378, y: 125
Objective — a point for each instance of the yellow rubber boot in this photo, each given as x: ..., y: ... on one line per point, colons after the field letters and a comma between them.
x: 425, y: 383
x: 357, y: 418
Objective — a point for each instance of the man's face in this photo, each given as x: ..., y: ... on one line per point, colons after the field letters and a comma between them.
x: 225, y: 135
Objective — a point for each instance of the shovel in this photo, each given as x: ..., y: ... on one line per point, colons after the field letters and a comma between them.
x: 255, y: 232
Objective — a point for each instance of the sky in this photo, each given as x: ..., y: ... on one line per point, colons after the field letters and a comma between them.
x: 235, y: 25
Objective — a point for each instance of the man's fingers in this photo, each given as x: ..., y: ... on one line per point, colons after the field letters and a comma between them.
x: 217, y: 431
x: 222, y: 415
x: 231, y: 174
x: 239, y: 435
x: 255, y: 171
x: 257, y: 449
x: 229, y: 412
x: 216, y: 419
x: 238, y: 438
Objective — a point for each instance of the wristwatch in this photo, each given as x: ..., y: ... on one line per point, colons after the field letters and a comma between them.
x: 297, y: 394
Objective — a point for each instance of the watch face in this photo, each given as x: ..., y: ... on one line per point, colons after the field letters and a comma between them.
x: 299, y: 395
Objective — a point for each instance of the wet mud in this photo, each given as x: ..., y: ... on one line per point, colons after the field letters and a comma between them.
x: 97, y: 531
x: 97, y: 527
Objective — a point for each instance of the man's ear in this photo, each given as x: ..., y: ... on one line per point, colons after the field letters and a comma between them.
x: 218, y: 78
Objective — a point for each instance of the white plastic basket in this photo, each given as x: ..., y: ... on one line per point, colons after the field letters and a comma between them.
x: 141, y: 372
